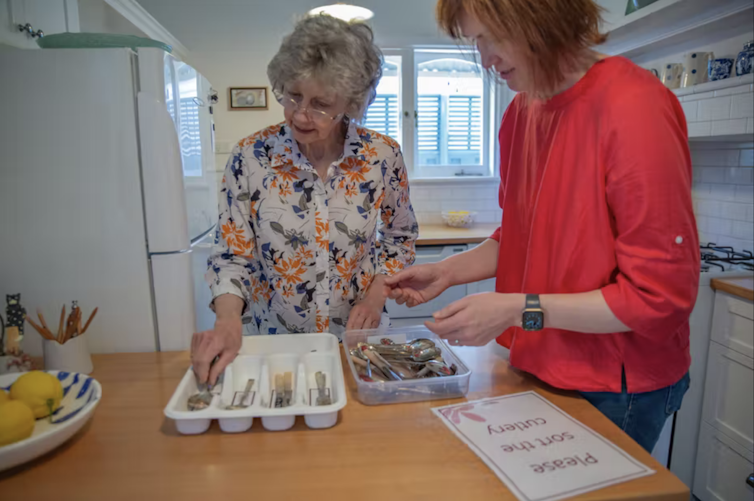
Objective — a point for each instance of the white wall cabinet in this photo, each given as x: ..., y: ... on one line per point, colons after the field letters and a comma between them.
x: 50, y: 16
x: 725, y: 455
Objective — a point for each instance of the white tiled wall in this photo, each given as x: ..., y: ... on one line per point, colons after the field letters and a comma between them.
x: 723, y: 193
x: 430, y: 199
x: 724, y: 111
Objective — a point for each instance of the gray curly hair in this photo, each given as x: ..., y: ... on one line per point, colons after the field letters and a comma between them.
x: 337, y: 53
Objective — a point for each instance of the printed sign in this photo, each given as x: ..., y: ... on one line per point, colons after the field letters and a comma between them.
x: 538, y: 451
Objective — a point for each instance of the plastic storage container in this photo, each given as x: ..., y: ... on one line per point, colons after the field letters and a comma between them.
x: 408, y: 390
x: 261, y: 358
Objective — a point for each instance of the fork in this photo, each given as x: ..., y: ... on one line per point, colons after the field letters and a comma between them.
x: 322, y: 397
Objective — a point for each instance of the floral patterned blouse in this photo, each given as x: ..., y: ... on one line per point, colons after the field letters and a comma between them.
x: 301, y: 250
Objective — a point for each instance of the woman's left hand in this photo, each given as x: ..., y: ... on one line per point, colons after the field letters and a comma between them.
x: 367, y: 313
x: 478, y: 319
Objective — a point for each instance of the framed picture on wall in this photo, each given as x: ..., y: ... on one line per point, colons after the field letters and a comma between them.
x: 247, y: 98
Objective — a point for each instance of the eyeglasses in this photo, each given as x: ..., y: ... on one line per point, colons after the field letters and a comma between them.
x: 316, y: 115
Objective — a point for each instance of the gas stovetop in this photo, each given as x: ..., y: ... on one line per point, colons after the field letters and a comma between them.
x: 722, y: 258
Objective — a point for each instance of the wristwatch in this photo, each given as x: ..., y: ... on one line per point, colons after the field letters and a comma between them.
x: 533, y: 317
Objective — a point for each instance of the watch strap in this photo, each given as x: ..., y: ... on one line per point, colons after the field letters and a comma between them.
x: 532, y: 302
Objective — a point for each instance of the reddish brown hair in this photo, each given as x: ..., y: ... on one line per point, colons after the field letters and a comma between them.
x: 556, y: 32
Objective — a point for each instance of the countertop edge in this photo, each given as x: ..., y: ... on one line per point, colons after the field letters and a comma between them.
x: 730, y: 286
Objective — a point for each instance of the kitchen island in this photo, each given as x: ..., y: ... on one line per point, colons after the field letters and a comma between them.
x: 131, y: 451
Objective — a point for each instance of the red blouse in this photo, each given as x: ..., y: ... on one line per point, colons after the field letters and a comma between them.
x: 608, y: 207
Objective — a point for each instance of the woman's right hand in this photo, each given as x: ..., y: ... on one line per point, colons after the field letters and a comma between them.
x: 418, y: 284
x: 224, y: 341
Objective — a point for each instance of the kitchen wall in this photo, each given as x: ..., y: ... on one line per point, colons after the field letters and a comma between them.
x: 231, y: 43
x: 723, y: 193
x: 96, y: 16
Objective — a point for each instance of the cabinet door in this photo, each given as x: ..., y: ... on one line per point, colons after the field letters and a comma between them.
x: 729, y: 394
x: 733, y: 323
x: 722, y: 467
x: 426, y: 255
x: 50, y: 16
x: 481, y: 286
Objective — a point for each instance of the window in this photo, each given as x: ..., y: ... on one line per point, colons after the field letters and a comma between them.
x: 446, y: 128
x: 384, y: 115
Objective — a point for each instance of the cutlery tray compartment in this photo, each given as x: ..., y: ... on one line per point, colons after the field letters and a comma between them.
x: 261, y: 359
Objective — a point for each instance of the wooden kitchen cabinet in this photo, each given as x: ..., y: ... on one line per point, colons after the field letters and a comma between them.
x: 50, y: 16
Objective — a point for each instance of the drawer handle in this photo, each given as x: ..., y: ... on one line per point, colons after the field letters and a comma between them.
x: 750, y: 480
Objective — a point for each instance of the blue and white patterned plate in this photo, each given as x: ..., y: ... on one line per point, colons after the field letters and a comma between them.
x: 81, y: 394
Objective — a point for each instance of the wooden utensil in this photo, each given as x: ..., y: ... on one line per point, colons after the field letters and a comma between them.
x: 60, y: 327
x: 42, y: 331
x: 70, y: 324
x: 42, y: 319
x: 91, y: 317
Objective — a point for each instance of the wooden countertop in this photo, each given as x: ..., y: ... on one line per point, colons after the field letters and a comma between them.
x: 440, y: 234
x: 400, y: 452
x: 742, y: 287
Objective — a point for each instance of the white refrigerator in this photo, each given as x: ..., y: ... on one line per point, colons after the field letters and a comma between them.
x: 106, y: 185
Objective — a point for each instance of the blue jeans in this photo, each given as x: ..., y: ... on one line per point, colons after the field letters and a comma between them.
x: 640, y: 415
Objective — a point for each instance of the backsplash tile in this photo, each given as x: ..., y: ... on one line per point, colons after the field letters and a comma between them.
x: 723, y: 193
x: 431, y: 199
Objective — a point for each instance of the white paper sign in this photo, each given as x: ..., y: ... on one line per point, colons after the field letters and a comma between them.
x: 536, y: 449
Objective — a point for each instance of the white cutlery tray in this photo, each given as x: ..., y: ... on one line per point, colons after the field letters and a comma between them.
x: 261, y: 358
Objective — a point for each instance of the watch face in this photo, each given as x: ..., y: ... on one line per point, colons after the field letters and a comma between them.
x: 533, y: 320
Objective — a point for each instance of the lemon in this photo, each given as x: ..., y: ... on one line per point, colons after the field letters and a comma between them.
x: 16, y: 422
x: 41, y: 391
x: 4, y: 397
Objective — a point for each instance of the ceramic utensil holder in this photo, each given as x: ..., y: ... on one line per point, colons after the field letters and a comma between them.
x: 73, y: 356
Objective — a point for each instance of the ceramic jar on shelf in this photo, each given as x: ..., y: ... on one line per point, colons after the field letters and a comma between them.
x: 745, y: 59
x: 695, y: 68
x: 719, y: 69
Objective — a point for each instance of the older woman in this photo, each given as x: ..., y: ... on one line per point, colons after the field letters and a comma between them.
x: 597, y: 254
x: 302, y: 202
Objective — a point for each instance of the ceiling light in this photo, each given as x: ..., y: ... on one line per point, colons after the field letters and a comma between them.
x: 343, y: 11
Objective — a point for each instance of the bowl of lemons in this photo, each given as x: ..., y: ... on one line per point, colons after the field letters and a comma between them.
x: 40, y: 410
x: 459, y: 219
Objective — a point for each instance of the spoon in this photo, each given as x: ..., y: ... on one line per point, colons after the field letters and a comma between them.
x: 439, y: 368
x: 381, y: 363
x: 203, y: 397
x: 420, y: 355
x: 200, y: 400
x: 410, y: 347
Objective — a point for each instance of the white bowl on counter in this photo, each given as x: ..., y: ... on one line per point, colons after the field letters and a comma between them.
x: 459, y: 219
x: 81, y: 395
